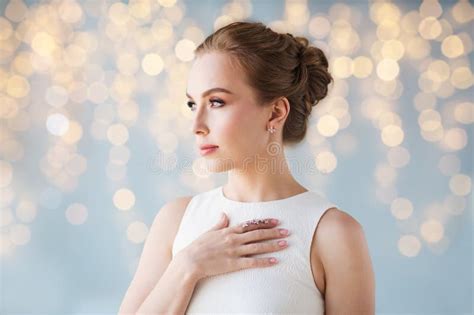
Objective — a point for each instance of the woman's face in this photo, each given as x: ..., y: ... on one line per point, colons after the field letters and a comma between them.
x: 231, y: 120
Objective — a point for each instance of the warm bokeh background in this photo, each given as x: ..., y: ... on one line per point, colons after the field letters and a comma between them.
x: 95, y: 137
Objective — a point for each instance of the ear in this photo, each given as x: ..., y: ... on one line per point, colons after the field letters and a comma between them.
x: 279, y: 111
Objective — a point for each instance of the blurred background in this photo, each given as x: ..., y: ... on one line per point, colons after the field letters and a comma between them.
x: 95, y: 138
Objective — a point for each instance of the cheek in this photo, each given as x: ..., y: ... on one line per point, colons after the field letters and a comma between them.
x: 226, y: 126
x: 243, y: 131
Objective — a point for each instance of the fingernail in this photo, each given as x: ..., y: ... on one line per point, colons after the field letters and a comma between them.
x: 275, y: 221
x: 282, y: 243
x: 284, y: 232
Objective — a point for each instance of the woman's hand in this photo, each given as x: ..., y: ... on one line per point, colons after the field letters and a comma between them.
x: 225, y: 249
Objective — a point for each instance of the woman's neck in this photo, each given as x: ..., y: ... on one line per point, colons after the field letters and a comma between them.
x: 262, y: 182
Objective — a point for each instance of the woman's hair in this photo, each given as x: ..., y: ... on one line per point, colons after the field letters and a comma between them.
x: 276, y: 65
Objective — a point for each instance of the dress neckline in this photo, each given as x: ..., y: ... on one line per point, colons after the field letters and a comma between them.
x: 261, y: 203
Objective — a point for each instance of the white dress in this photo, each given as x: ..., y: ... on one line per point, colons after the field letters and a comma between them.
x: 287, y: 287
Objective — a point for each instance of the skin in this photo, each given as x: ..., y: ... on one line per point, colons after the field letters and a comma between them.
x: 340, y: 259
x: 239, y: 128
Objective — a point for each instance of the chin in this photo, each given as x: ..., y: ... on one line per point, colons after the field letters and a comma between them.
x: 218, y: 165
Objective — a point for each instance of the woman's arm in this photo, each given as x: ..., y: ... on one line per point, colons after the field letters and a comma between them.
x: 156, y: 256
x: 172, y: 293
x: 350, y: 279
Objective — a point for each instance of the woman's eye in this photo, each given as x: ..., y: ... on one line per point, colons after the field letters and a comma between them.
x: 219, y: 102
x: 215, y: 102
x: 190, y: 105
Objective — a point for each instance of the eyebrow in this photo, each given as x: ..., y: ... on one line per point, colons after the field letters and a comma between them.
x: 216, y: 89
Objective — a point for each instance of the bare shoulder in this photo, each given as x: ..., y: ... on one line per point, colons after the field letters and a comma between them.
x: 171, y: 215
x: 338, y: 234
x: 176, y: 205
x: 337, y: 223
x: 345, y: 257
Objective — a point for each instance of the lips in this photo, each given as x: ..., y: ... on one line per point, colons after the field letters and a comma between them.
x: 207, y: 149
x: 208, y: 146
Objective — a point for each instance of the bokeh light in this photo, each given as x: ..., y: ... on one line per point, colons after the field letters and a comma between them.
x: 124, y: 199
x: 94, y: 119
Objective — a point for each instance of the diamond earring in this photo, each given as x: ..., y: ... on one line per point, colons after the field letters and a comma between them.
x: 271, y: 129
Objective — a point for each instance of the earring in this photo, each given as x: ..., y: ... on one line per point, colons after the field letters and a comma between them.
x: 271, y: 129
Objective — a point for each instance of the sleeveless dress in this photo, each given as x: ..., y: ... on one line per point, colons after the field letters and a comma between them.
x: 287, y: 287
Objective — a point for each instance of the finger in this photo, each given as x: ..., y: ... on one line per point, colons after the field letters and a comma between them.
x: 223, y: 222
x: 262, y: 235
x: 254, y: 224
x: 260, y: 248
x: 256, y: 262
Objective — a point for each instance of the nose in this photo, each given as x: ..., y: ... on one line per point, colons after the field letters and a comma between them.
x: 199, y: 122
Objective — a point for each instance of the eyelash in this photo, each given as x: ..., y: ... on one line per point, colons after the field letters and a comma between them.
x: 190, y: 104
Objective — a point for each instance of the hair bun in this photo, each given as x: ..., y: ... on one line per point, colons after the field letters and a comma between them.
x: 311, y: 79
x: 314, y: 61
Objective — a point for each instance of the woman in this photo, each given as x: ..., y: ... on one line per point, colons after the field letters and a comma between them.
x: 251, y: 91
